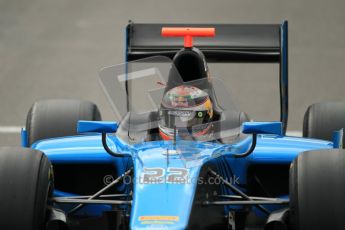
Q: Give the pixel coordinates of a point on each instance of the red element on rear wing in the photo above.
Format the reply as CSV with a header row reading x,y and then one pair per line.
x,y
188,33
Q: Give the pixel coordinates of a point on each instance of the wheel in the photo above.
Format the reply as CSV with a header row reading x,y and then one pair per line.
x,y
58,118
317,190
26,180
321,119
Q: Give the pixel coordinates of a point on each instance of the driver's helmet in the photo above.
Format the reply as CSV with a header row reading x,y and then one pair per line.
x,y
187,109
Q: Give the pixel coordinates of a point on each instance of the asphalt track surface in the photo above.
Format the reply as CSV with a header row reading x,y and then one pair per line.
x,y
54,49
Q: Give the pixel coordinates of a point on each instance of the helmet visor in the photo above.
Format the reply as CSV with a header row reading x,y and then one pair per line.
x,y
183,118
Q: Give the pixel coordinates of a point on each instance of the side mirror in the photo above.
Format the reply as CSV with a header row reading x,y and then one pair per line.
x,y
102,127
97,126
256,128
274,127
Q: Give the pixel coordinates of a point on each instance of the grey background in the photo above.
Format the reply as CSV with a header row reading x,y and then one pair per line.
x,y
54,49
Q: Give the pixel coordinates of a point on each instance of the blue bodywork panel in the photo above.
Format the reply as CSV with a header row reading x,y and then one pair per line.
x,y
168,199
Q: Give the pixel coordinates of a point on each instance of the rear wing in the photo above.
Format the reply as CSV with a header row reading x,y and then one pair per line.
x,y
244,43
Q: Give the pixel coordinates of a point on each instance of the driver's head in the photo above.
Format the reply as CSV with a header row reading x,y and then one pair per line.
x,y
186,108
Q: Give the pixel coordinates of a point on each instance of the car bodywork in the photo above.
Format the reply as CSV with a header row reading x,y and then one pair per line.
x,y
160,200
82,167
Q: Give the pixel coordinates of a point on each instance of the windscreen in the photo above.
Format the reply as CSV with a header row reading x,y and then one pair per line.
x,y
153,103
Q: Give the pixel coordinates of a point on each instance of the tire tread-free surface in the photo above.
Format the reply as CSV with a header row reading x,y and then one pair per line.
x,y
25,182
321,119
317,190
58,118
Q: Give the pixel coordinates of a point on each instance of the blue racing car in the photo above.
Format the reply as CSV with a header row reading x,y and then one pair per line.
x,y
180,155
